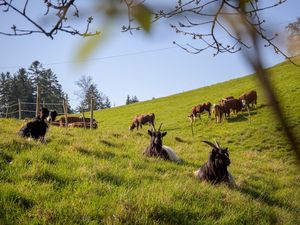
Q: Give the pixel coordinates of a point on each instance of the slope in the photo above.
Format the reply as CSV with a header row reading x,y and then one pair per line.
x,y
101,177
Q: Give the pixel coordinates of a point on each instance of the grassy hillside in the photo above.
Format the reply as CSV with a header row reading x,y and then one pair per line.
x,y
101,177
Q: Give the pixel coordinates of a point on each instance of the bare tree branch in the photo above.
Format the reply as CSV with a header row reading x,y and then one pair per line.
x,y
61,8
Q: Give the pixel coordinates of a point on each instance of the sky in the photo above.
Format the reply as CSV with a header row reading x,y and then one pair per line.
x,y
145,65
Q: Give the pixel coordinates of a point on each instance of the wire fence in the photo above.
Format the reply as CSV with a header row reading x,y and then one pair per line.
x,y
23,110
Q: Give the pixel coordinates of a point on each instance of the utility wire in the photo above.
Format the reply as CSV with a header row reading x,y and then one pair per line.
x,y
118,56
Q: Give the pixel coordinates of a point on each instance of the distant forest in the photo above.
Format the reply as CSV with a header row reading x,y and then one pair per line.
x,y
22,85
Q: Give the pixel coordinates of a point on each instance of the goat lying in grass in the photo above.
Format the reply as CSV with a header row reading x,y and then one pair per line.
x,y
156,147
215,170
37,128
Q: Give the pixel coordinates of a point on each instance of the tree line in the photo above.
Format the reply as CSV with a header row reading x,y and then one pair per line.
x,y
22,85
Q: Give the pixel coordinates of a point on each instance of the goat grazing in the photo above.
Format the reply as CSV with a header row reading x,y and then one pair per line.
x,y
37,128
215,170
156,147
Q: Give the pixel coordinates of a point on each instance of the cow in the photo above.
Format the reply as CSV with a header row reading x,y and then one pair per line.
x,y
198,109
73,119
249,98
235,105
218,111
84,124
142,119
223,100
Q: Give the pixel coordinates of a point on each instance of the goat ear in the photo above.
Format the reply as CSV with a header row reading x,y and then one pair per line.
x,y
163,134
150,132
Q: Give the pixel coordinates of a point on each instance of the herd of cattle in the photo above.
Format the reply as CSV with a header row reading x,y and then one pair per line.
x,y
223,108
214,171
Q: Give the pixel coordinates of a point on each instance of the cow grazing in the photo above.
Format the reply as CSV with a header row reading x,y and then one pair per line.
x,y
215,169
84,125
198,109
249,98
78,120
37,128
140,120
156,147
235,105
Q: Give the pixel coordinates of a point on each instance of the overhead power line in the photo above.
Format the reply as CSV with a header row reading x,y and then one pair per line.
x,y
99,58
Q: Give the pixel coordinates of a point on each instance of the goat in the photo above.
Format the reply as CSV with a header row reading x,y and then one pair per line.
x,y
140,120
52,116
37,128
215,170
156,147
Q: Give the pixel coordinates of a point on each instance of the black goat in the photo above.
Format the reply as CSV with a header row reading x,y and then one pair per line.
x,y
156,147
37,128
52,116
215,170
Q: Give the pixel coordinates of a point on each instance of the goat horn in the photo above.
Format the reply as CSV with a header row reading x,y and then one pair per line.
x,y
153,128
210,144
217,144
160,126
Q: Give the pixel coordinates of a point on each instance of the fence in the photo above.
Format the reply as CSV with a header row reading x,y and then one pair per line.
x,y
22,110
26,109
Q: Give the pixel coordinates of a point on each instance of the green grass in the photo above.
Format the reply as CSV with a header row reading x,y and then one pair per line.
x,y
101,176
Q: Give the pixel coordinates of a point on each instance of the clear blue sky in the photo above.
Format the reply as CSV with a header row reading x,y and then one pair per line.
x,y
157,69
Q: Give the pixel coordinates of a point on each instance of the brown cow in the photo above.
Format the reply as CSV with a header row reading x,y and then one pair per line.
x,y
83,125
142,119
225,99
198,109
249,98
75,119
235,105
218,111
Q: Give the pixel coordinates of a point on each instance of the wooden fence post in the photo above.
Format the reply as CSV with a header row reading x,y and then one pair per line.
x,y
92,113
6,112
20,111
83,117
65,112
38,100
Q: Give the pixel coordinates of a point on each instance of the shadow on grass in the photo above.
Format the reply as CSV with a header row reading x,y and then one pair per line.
x,y
265,198
16,146
110,144
98,154
262,106
110,178
5,157
19,200
182,140
50,177
238,118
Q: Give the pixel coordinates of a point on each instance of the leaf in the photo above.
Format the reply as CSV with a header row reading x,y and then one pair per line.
x,y
142,15
88,47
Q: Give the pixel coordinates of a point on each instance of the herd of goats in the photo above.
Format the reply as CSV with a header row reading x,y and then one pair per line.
x,y
214,170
